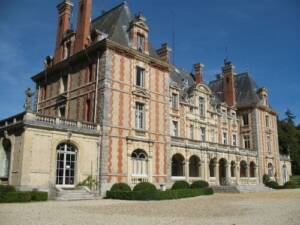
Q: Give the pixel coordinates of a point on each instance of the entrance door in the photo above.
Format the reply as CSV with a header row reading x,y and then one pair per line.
x,y
66,165
222,172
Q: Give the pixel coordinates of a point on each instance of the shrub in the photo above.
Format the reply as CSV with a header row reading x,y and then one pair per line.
x,y
6,188
38,196
144,191
183,193
273,184
266,179
120,187
199,184
124,195
180,185
10,197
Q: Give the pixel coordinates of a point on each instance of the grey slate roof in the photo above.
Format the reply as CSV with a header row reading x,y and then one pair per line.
x,y
245,90
115,24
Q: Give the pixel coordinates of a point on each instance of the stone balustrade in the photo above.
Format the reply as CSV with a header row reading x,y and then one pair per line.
x,y
27,118
184,142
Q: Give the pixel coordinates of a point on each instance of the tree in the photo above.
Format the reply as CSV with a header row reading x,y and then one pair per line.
x,y
289,140
290,117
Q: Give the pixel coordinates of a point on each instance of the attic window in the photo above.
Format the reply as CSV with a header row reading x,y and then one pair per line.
x,y
140,42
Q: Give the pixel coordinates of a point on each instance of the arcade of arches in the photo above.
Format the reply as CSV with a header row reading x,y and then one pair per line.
x,y
219,171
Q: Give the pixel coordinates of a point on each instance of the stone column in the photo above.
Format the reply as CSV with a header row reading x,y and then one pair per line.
x,y
228,175
187,172
217,173
237,174
247,173
202,170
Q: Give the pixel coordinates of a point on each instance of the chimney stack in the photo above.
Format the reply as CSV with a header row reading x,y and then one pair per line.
x,y
164,53
65,11
229,83
83,25
199,73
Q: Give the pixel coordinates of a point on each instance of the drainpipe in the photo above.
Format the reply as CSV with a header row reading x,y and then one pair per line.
x,y
96,91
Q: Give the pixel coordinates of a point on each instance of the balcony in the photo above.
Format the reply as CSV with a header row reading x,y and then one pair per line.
x,y
36,120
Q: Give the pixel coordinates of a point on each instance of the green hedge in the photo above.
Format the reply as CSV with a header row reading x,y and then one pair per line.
x,y
159,195
37,196
183,193
11,197
180,185
6,188
8,194
199,184
120,187
144,191
266,179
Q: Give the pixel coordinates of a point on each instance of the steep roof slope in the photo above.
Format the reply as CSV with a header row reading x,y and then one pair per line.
x,y
245,90
115,23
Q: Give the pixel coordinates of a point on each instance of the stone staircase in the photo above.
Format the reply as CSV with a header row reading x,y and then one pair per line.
x,y
253,188
225,189
75,194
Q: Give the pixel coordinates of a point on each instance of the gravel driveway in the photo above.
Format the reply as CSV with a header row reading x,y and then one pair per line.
x,y
274,208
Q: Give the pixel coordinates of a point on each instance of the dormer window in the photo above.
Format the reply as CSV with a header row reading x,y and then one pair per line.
x,y
140,42
140,77
202,106
174,101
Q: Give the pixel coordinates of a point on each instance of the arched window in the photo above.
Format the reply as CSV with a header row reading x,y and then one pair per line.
x,y
5,154
252,169
177,165
212,166
232,169
66,164
243,169
270,170
139,160
194,166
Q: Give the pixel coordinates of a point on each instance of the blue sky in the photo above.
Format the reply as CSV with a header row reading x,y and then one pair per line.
x,y
262,37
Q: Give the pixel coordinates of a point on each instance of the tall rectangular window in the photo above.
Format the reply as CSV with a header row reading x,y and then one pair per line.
x,y
62,111
267,121
64,84
247,143
234,140
202,106
175,128
139,116
212,136
140,77
191,131
90,73
225,141
202,134
269,146
174,101
245,119
88,110
140,42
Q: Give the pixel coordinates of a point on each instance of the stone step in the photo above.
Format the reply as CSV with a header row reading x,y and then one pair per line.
x,y
74,195
225,189
253,188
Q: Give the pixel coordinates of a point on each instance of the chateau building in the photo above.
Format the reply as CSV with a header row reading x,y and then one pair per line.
x,y
110,106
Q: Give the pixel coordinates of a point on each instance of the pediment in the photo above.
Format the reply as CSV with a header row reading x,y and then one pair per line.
x,y
141,92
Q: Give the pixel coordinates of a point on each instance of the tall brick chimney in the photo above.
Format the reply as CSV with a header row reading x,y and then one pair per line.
x,y
164,53
83,25
199,73
65,11
229,84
